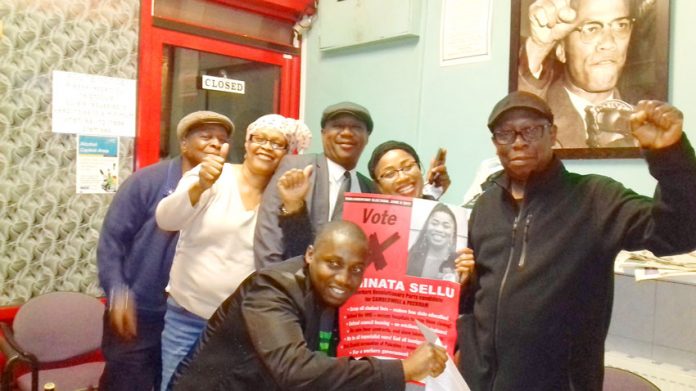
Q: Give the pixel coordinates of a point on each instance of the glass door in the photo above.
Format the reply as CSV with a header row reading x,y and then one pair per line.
x,y
182,73
194,80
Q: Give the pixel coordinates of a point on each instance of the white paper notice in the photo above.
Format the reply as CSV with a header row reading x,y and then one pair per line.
x,y
450,379
465,31
91,104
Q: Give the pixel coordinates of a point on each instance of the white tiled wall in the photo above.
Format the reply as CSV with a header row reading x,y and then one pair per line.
x,y
654,320
675,323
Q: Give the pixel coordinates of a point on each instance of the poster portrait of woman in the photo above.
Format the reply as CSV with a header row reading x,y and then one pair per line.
x,y
437,237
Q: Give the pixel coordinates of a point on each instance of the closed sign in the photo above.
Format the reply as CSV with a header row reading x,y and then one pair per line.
x,y
222,84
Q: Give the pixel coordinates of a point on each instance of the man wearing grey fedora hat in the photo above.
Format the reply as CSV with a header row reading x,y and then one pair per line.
x,y
310,187
134,257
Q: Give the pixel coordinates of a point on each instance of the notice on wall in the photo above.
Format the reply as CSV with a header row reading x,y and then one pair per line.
x,y
97,164
410,276
465,34
91,104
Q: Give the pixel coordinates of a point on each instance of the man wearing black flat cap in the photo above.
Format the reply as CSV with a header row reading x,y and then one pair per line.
x,y
306,191
545,240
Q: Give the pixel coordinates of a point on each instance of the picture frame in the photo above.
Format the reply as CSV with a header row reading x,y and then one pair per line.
x,y
644,75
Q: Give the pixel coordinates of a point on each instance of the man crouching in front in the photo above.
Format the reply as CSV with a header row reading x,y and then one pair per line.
x,y
279,330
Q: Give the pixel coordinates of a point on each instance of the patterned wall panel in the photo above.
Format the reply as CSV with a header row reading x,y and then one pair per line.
x,y
48,233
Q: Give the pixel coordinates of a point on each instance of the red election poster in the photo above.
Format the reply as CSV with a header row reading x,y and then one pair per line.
x,y
410,275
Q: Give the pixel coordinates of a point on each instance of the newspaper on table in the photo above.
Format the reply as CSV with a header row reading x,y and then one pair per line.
x,y
646,266
403,283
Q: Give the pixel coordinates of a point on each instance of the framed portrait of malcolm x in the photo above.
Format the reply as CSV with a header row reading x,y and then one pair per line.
x,y
592,60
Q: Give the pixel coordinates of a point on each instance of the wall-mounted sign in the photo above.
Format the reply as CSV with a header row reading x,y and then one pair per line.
x,y
97,164
465,34
92,104
222,84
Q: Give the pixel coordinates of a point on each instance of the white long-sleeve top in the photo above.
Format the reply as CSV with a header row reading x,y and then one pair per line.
x,y
215,249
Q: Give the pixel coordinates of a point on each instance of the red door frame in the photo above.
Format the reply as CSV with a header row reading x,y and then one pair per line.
x,y
149,100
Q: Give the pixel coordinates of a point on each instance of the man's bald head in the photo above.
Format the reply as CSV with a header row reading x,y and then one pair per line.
x,y
341,228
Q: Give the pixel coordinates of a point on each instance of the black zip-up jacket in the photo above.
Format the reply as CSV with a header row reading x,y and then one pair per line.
x,y
540,306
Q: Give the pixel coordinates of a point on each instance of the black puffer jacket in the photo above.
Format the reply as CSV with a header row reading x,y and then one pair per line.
x,y
540,307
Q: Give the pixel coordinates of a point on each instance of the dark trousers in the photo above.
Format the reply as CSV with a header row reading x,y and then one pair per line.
x,y
134,365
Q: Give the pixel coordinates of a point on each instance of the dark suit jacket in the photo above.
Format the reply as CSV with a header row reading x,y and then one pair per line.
x,y
269,240
265,338
571,126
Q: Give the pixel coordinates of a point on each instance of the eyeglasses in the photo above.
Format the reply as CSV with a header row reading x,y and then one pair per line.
x,y
591,32
261,140
529,134
408,168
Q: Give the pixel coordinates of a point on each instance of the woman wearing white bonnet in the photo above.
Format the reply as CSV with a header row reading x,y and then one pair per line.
x,y
215,207
296,132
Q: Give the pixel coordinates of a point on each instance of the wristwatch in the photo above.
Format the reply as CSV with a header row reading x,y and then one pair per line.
x,y
285,212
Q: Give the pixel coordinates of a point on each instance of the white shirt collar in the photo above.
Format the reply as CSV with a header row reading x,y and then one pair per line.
x,y
335,179
335,171
336,175
579,103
